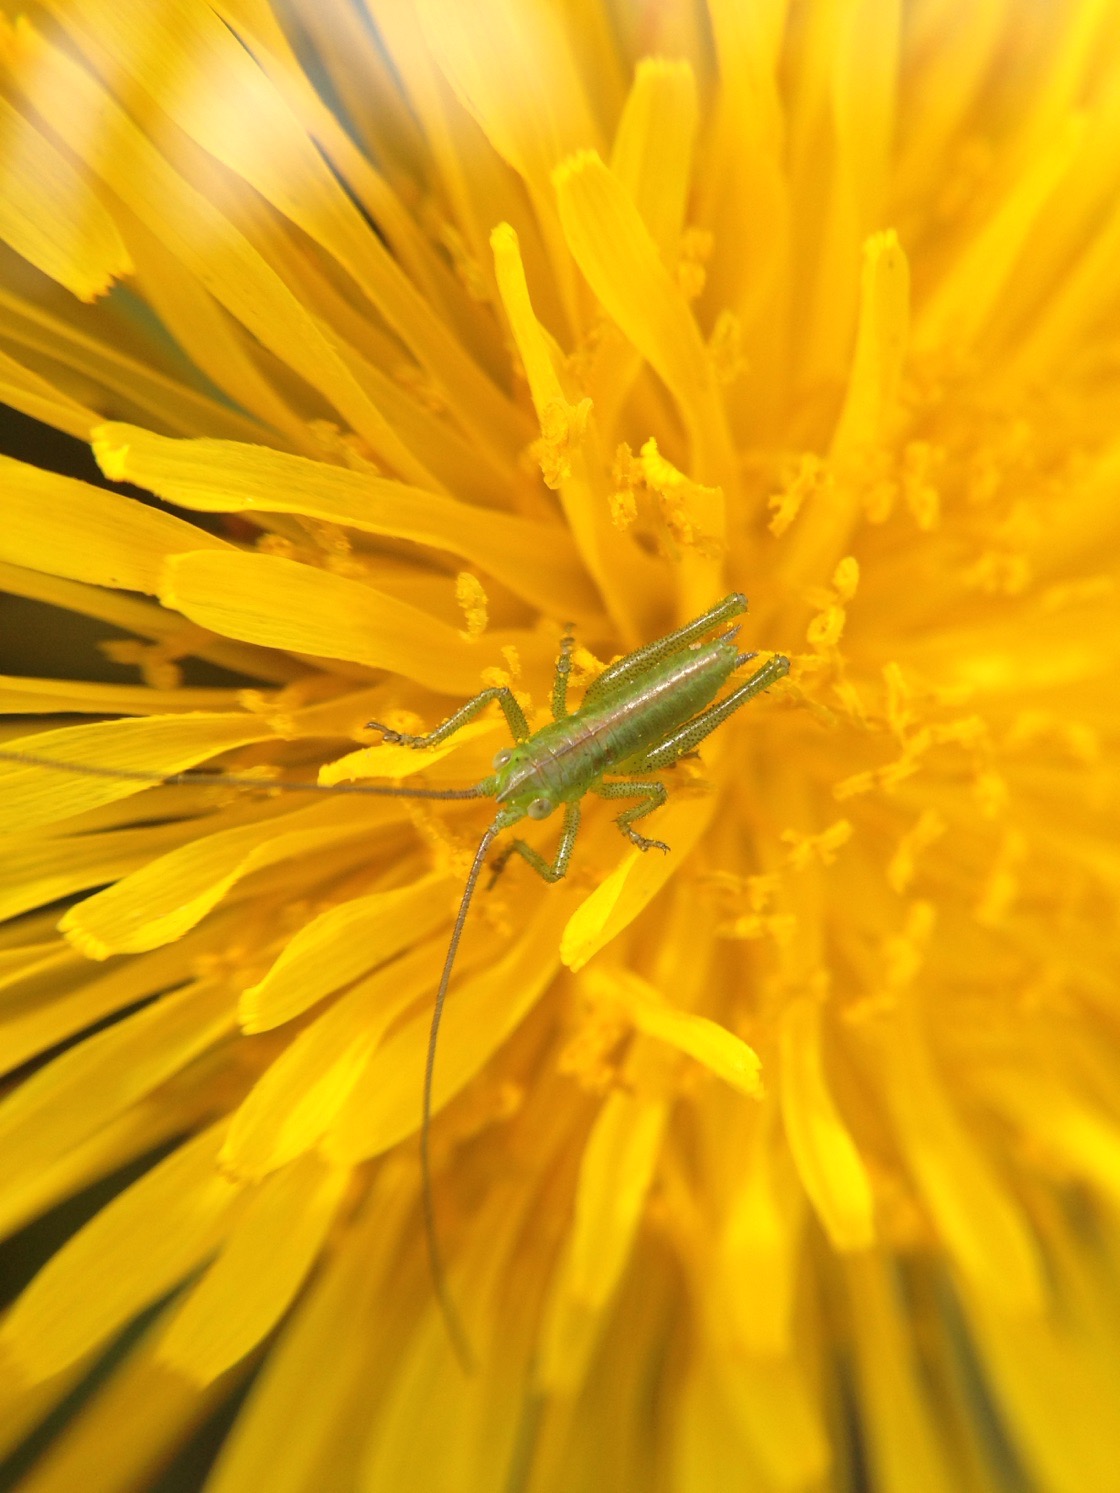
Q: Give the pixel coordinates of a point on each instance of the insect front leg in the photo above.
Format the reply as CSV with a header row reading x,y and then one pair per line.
x,y
650,796
694,731
512,711
559,867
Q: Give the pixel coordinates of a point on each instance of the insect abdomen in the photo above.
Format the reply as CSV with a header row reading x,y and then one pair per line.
x,y
621,726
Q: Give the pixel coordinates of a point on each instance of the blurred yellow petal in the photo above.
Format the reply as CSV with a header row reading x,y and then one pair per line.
x,y
652,150
341,944
827,1157
218,476
82,532
141,1245
93,1082
224,261
33,395
280,603
263,1262
980,1221
49,215
291,1106
188,64
159,902
631,886
384,1105
615,1175
31,794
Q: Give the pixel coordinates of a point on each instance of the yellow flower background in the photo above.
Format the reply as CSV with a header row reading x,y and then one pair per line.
x,y
788,1161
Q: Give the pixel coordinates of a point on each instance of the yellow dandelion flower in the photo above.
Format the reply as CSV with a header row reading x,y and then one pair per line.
x,y
419,330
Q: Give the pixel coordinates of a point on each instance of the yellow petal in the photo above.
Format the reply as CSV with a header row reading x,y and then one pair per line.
x,y
283,604
192,60
706,1041
286,1439
95,370
139,1246
254,1280
32,395
481,1012
881,345
614,1180
536,561
147,620
514,69
827,1157
24,695
94,1081
843,156
191,227
759,1248
620,569
960,306
341,944
210,338
652,151
613,248
35,871
980,1223
387,760
291,1105
906,1442
29,1029
777,1412
1058,1121
49,215
1053,1375
634,882
128,1429
159,902
87,534
31,795
177,1109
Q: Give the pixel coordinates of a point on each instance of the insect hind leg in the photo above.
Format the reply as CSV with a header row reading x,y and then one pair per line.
x,y
637,662
650,796
694,731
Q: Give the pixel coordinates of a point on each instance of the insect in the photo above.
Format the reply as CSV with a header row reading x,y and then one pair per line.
x,y
640,716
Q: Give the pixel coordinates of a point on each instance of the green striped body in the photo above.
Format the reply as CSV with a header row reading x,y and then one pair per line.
x,y
615,727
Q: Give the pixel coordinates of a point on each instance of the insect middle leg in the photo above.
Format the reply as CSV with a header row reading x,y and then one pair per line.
x,y
512,711
650,796
694,731
559,867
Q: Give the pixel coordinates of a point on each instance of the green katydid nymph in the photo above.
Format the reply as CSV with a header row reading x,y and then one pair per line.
x,y
637,718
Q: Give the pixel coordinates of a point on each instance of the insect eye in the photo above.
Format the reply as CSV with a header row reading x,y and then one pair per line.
x,y
540,808
503,757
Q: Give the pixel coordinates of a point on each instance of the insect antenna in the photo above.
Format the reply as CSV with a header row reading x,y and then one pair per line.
x,y
234,780
455,1328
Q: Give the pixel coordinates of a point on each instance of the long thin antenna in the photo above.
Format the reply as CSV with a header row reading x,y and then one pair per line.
x,y
232,779
455,1328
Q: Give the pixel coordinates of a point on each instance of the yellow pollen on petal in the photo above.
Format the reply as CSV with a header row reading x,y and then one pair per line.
x,y
471,597
822,849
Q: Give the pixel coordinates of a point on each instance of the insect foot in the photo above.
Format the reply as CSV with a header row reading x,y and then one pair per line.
x,y
642,843
389,736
